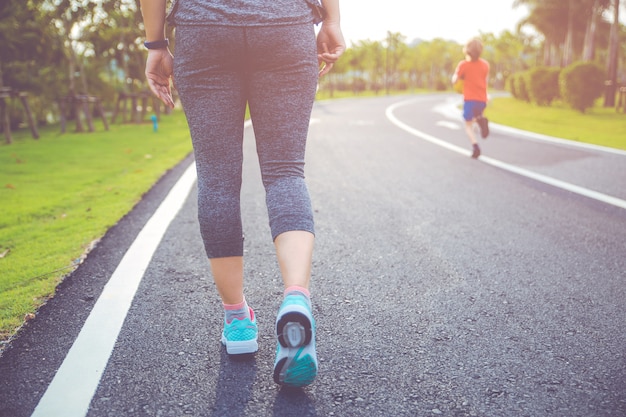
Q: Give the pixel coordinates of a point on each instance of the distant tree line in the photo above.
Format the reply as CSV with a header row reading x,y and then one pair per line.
x,y
59,48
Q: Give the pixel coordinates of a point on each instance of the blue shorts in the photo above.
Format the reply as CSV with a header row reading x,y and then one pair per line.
x,y
473,109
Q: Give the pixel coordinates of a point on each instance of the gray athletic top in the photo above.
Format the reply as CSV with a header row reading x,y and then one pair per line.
x,y
244,12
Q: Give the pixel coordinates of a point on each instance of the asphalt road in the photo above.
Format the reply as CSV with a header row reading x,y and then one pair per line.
x,y
442,285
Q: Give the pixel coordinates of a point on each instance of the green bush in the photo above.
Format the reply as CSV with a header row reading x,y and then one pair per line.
x,y
441,84
510,86
581,84
521,86
543,85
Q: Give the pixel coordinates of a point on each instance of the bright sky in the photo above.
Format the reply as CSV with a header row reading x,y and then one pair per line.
x,y
457,20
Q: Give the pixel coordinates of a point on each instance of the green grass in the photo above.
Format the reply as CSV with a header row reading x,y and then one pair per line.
x,y
599,125
62,192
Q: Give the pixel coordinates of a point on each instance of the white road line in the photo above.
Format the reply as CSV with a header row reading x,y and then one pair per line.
x,y
544,138
72,388
503,165
452,110
449,125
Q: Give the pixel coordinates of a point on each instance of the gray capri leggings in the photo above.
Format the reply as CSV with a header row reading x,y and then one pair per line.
x,y
217,70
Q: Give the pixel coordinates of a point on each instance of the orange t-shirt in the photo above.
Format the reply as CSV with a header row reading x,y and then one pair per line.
x,y
474,75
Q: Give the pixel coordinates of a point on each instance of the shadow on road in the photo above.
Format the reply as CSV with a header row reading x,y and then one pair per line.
x,y
235,384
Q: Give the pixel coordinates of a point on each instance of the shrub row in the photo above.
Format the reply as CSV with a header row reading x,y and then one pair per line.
x,y
578,85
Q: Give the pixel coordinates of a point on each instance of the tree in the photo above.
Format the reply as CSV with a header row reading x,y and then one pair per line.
x,y
31,48
566,26
609,98
506,53
117,37
394,52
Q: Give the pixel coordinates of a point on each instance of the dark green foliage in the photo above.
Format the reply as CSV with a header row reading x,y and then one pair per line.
x,y
510,85
581,84
521,86
543,85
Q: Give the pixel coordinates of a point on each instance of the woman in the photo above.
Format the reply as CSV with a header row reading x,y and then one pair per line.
x,y
261,53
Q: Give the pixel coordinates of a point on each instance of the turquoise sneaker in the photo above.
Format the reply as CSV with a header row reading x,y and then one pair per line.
x,y
296,359
240,336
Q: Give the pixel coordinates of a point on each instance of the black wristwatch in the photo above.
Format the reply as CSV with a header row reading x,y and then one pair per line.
x,y
157,44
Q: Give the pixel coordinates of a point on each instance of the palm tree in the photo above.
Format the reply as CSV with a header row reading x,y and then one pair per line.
x,y
609,97
563,24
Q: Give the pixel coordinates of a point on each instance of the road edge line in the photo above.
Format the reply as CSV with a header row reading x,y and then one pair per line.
x,y
585,192
71,390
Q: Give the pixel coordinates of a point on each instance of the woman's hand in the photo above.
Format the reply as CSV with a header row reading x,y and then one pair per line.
x,y
330,46
159,68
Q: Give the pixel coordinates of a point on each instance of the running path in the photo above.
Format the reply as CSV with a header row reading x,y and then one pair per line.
x,y
442,286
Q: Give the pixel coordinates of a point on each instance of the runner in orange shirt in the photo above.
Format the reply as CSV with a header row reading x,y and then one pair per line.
x,y
474,71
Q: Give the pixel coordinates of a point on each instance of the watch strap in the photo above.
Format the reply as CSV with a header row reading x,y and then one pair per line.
x,y
157,44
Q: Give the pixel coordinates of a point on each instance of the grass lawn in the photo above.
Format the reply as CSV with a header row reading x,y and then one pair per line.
x,y
599,125
62,192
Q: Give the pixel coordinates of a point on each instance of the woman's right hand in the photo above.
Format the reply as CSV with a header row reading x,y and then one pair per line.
x,y
159,69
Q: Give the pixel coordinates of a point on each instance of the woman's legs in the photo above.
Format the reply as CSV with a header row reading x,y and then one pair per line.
x,y
280,87
281,94
228,276
212,90
294,251
275,70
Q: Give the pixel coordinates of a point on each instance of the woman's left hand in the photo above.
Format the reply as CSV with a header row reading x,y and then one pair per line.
x,y
330,46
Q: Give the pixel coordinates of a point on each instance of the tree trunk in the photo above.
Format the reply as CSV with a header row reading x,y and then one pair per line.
x,y
73,103
569,38
4,114
611,85
590,35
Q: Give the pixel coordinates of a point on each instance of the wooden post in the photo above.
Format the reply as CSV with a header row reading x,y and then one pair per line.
x,y
98,106
133,108
85,105
144,107
156,105
621,99
6,120
29,116
116,109
76,107
63,109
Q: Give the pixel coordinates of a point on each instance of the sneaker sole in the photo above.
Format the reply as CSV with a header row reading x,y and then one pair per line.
x,y
240,347
301,375
293,329
294,333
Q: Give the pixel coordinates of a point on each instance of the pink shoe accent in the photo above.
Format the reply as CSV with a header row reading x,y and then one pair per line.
x,y
298,289
237,306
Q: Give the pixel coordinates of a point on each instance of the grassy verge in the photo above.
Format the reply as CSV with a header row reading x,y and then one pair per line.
x,y
599,125
62,192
